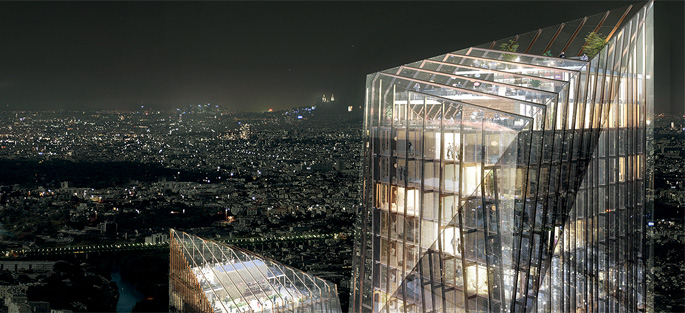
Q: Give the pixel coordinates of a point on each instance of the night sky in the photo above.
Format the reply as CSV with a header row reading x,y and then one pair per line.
x,y
251,56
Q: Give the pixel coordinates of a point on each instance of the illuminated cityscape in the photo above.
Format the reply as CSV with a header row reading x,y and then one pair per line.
x,y
227,157
271,183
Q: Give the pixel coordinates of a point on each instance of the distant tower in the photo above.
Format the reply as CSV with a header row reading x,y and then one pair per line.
x,y
323,99
332,98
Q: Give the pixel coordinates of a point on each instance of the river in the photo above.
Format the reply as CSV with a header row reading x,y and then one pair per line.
x,y
128,294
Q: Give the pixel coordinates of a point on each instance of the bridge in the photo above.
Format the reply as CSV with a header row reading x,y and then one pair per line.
x,y
130,246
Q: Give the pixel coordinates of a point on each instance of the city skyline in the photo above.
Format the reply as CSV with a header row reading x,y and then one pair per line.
x,y
168,156
246,56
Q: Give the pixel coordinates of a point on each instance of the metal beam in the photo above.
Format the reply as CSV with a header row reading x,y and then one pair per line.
x,y
595,31
618,23
570,40
533,41
561,26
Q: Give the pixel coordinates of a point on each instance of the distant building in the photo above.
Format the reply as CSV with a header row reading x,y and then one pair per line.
x,y
18,303
206,276
497,181
107,227
324,99
245,131
22,266
157,239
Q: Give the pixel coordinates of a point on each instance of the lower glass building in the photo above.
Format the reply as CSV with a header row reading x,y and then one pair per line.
x,y
205,276
500,181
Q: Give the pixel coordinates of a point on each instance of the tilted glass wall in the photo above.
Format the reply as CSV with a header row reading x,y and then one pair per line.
x,y
205,276
599,263
507,182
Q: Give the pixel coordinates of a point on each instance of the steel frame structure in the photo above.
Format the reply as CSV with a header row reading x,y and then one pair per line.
x,y
497,181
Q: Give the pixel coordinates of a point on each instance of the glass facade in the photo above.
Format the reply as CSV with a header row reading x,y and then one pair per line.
x,y
510,182
205,276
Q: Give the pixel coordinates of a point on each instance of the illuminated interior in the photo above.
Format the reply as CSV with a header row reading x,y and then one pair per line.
x,y
501,181
209,277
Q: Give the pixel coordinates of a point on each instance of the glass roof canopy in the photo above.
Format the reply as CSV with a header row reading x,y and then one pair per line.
x,y
206,276
568,36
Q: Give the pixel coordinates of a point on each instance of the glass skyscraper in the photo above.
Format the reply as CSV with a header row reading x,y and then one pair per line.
x,y
205,276
499,179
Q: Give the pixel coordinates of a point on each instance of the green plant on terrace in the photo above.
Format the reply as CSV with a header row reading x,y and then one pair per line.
x,y
594,43
509,46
